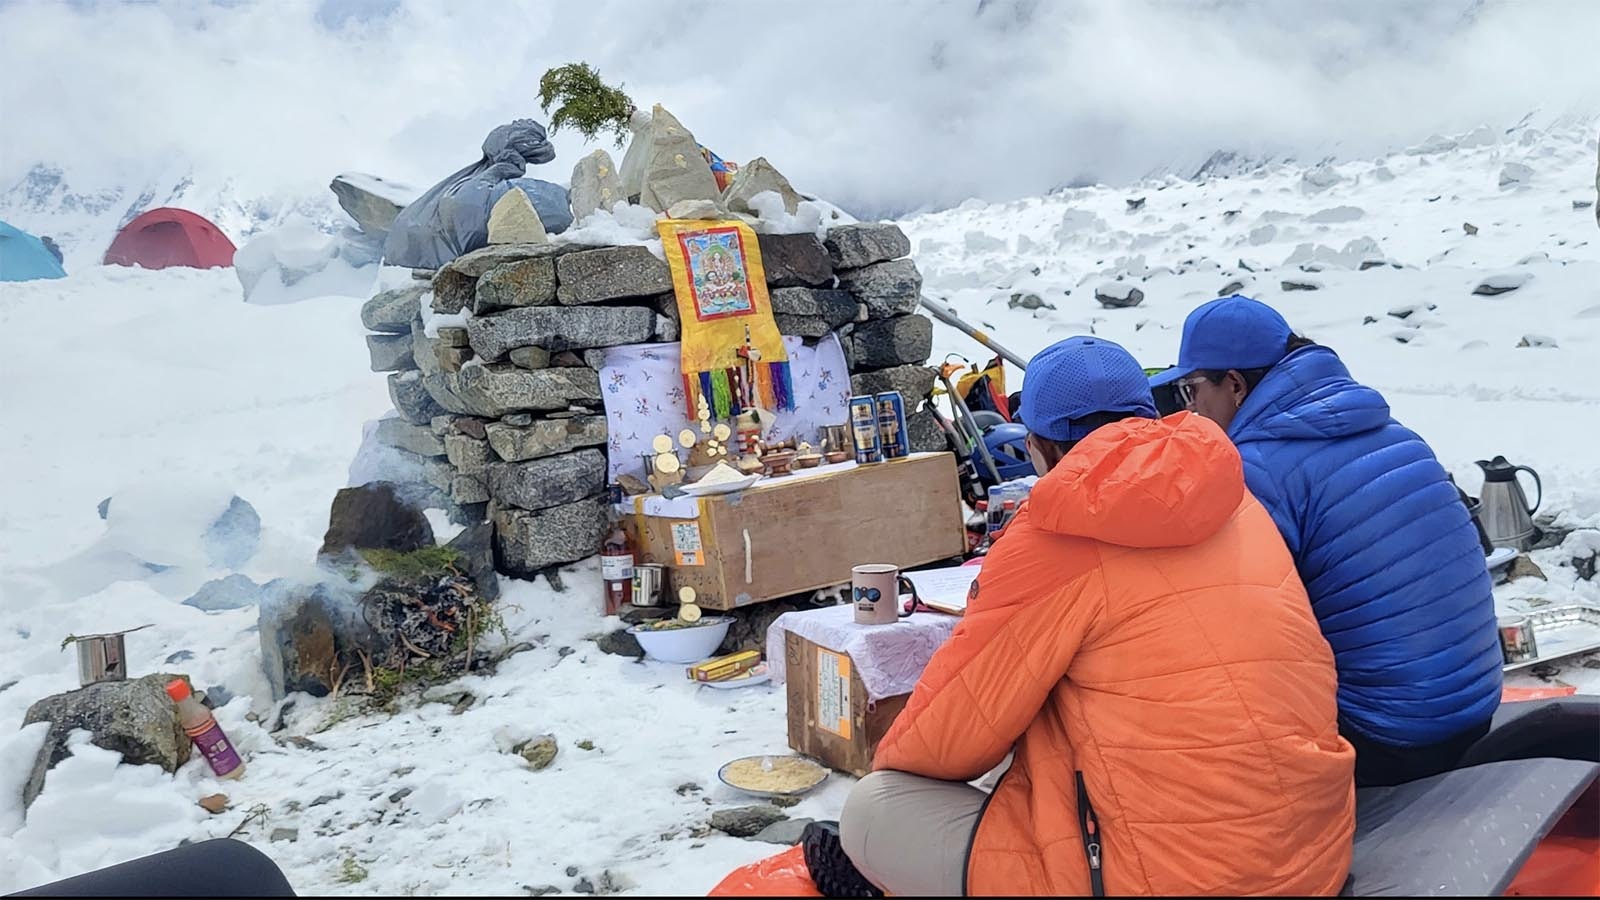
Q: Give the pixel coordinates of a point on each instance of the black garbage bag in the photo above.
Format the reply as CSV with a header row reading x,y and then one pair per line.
x,y
452,218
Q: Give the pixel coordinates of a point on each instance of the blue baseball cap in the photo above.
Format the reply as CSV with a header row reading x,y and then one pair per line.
x,y
1077,377
1233,332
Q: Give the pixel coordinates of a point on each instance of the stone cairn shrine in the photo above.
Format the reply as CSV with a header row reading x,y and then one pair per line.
x,y
502,418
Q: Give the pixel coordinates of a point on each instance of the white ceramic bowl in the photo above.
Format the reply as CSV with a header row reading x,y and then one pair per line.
x,y
684,645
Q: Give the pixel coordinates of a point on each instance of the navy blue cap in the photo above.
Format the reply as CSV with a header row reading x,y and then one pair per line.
x,y
1232,332
1078,377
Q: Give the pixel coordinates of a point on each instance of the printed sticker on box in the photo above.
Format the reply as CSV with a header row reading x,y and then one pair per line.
x,y
833,692
686,545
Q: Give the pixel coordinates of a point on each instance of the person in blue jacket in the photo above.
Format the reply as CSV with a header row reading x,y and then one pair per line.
x,y
1389,554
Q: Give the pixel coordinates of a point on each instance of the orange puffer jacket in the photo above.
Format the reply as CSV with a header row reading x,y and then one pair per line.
x,y
1141,623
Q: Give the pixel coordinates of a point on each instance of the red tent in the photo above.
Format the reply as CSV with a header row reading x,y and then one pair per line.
x,y
170,237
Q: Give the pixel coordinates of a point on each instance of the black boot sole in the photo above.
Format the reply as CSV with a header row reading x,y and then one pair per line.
x,y
832,871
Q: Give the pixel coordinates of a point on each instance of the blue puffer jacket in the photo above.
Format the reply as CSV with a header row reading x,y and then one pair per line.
x,y
1387,551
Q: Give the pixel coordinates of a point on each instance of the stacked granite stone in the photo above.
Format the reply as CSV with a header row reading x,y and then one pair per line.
x,y
503,416
888,341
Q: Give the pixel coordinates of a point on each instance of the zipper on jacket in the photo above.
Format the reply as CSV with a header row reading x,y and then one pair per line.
x,y
1089,827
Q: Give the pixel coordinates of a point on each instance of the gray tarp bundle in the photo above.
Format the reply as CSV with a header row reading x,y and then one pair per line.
x,y
452,218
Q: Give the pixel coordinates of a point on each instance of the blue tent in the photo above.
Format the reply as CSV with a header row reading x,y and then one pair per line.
x,y
24,257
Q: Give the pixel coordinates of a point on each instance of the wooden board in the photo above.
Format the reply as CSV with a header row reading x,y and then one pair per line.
x,y
830,718
795,535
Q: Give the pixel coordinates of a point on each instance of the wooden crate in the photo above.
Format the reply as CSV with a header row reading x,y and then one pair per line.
x,y
830,718
797,534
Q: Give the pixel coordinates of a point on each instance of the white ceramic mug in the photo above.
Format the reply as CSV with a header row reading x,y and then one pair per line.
x,y
875,591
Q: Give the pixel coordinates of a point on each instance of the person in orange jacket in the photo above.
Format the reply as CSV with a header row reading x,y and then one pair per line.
x,y
1139,641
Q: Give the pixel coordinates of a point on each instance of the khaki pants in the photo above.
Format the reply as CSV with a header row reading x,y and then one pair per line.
x,y
908,834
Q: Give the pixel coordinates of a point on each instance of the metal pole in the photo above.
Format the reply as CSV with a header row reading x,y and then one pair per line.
x,y
969,425
947,315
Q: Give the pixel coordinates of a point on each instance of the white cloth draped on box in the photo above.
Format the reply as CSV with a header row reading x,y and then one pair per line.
x,y
889,658
643,390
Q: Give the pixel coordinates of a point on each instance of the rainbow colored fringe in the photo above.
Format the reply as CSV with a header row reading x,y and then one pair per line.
x,y
723,388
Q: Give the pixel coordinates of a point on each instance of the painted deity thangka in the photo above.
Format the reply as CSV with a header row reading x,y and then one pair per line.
x,y
732,352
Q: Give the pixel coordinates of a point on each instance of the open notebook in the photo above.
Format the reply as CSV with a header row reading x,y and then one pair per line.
x,y
945,589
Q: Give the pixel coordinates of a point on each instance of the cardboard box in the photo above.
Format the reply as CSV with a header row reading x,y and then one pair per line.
x,y
830,717
791,535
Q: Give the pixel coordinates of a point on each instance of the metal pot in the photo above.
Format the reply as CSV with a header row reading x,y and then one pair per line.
x,y
102,657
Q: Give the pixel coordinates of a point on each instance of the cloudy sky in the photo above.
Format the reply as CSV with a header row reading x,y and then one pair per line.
x,y
883,106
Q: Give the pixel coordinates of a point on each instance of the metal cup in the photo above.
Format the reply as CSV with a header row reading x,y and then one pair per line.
x,y
649,582
102,657
1516,639
838,438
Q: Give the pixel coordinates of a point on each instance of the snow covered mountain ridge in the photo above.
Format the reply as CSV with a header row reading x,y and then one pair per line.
x,y
255,104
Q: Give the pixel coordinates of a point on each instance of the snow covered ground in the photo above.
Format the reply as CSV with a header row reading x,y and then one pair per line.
x,y
115,378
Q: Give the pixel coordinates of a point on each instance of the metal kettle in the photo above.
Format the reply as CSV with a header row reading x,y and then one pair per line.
x,y
1507,518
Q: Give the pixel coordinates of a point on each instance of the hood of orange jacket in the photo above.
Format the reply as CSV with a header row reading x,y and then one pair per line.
x,y
1144,483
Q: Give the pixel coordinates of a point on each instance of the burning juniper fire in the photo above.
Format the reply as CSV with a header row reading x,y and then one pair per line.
x,y
382,621
415,620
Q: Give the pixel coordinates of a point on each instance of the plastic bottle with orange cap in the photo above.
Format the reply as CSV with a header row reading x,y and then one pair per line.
x,y
202,728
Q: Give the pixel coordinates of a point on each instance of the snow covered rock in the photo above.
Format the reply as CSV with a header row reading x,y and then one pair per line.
x,y
611,273
1537,340
372,201
887,289
297,262
374,517
983,242
513,220
528,542
1435,144
538,752
1118,295
135,718
1336,214
392,311
595,185
1515,175
674,170
794,260
557,328
233,592
755,177
1301,284
412,399
1263,234
176,522
548,481
865,243
1502,283
1320,179
478,263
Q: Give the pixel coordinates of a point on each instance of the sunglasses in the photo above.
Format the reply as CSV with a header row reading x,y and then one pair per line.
x,y
1185,388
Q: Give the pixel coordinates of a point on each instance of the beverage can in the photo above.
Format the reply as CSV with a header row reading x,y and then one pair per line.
x,y
892,425
864,425
1516,639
